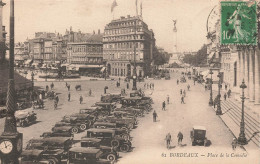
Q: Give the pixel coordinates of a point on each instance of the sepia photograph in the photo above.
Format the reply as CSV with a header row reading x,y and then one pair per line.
x,y
129,82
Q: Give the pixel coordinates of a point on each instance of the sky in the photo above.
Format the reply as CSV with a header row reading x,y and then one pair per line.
x,y
87,15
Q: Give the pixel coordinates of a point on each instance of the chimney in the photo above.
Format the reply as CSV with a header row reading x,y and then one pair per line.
x,y
98,31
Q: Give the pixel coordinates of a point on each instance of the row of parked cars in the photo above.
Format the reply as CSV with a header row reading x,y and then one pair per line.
x,y
107,126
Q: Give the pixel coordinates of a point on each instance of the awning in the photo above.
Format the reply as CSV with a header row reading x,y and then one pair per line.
x,y
103,69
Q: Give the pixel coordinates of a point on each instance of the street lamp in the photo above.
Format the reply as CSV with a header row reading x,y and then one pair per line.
x,y
210,99
134,71
242,138
11,141
219,111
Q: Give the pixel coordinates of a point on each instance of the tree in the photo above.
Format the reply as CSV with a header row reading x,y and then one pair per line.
x,y
199,59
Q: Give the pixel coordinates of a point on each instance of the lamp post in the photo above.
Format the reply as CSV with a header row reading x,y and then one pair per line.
x,y
11,140
210,99
219,111
134,71
242,138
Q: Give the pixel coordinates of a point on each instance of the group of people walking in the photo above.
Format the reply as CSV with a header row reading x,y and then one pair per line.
x,y
148,86
168,139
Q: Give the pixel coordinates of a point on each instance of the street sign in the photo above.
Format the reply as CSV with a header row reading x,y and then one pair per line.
x,y
238,23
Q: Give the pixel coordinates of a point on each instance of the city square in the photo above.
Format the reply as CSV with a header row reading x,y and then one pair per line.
x,y
116,96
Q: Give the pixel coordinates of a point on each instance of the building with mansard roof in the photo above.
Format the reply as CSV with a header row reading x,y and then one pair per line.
x,y
119,38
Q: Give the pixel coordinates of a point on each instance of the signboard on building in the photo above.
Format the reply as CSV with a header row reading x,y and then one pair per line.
x,y
238,23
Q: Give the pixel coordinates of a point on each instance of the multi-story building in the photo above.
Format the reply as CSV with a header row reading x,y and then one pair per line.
x,y
88,54
119,39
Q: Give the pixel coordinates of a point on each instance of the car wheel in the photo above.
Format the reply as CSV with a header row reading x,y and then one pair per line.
x,y
83,127
124,148
52,161
126,137
74,130
115,143
111,157
130,125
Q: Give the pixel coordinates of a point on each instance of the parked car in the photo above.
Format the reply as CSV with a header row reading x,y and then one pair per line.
x,y
106,108
62,131
198,136
33,157
109,138
107,152
86,155
24,119
55,149
132,111
109,98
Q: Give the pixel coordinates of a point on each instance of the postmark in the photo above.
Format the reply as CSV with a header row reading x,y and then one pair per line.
x,y
238,23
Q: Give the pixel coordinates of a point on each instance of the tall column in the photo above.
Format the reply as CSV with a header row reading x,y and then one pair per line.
x,y
246,72
257,76
251,85
239,59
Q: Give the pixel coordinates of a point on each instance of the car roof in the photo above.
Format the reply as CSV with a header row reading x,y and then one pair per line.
x,y
90,139
105,123
132,98
88,150
65,127
103,103
89,108
34,152
101,130
199,127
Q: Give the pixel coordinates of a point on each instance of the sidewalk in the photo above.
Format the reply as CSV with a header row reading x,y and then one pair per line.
x,y
231,109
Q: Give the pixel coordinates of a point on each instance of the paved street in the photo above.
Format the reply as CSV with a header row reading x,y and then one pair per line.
x,y
148,138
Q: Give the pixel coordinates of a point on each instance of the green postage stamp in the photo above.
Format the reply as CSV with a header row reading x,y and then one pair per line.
x,y
238,23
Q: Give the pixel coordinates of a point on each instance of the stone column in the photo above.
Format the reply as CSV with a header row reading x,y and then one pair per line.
x,y
246,72
257,76
251,85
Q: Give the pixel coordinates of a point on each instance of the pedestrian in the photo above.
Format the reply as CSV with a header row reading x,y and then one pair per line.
x,y
153,86
154,116
177,81
127,85
184,93
225,96
80,99
68,86
144,85
90,92
180,137
147,86
182,99
225,86
168,99
234,143
52,85
168,139
69,96
55,104
215,101
150,85
205,87
229,93
180,91
163,105
57,98
47,88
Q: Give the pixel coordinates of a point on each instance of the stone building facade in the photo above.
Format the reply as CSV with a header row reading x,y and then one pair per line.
x,y
119,38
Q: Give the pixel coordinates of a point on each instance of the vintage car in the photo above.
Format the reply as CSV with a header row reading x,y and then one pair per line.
x,y
55,149
62,131
109,138
128,122
105,108
132,111
81,120
120,114
123,133
33,157
86,155
110,98
107,152
75,127
198,136
24,119
90,110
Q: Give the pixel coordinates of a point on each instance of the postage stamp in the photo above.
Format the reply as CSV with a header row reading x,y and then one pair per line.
x,y
238,23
